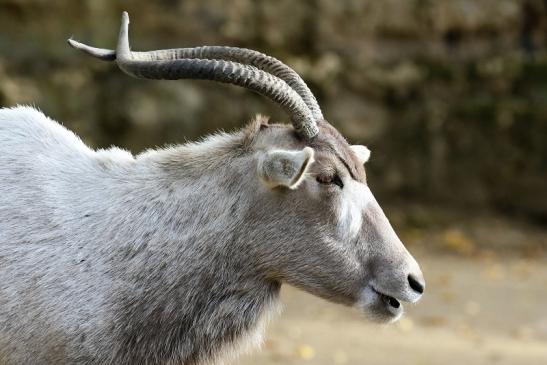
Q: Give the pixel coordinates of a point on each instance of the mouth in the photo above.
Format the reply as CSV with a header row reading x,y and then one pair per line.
x,y
379,306
388,300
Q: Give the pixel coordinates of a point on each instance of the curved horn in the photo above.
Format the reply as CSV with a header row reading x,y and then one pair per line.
x,y
251,57
240,55
100,53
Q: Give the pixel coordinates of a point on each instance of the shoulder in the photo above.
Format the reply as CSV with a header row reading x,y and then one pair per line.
x,y
21,115
26,124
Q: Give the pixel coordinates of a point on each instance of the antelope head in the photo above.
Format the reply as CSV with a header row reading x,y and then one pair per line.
x,y
315,222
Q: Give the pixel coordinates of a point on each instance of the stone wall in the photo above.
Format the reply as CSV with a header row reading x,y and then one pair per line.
x,y
451,95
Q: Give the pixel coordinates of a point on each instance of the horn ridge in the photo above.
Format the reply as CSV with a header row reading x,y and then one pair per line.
x,y
241,55
231,73
242,67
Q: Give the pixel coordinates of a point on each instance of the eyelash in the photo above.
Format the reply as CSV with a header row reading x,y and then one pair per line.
x,y
334,179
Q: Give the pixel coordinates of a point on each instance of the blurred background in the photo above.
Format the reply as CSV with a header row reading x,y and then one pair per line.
x,y
450,95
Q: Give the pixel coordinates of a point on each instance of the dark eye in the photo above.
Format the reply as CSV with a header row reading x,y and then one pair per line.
x,y
332,179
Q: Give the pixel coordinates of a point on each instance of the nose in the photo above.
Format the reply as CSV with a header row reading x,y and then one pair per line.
x,y
417,284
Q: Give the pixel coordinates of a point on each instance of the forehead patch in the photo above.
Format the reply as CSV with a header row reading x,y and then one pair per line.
x,y
354,201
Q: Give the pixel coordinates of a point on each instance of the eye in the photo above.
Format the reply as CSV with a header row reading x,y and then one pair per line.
x,y
332,179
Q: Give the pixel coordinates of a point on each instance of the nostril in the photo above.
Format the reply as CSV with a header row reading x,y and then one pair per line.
x,y
415,284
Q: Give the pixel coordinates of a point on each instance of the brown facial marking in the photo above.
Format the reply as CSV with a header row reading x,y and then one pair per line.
x,y
331,141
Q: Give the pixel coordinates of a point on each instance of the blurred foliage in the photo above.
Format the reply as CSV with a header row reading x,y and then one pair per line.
x,y
451,95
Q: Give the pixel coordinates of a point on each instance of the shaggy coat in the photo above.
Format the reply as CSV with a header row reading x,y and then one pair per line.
x,y
176,255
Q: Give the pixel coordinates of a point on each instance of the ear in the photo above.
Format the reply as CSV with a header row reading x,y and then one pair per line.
x,y
285,168
362,152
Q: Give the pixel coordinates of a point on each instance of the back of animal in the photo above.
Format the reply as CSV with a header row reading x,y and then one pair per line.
x,y
41,165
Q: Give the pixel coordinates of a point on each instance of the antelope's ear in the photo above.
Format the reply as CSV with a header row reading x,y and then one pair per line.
x,y
285,168
362,152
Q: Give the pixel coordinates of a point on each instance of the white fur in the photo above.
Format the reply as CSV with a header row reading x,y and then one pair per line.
x,y
98,247
354,200
362,152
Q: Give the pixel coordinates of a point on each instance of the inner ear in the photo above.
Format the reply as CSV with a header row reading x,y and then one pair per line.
x,y
362,153
285,168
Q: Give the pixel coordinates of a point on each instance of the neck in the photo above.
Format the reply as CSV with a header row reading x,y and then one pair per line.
x,y
186,290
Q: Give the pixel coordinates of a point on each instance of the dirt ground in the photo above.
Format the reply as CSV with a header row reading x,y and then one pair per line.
x,y
481,306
